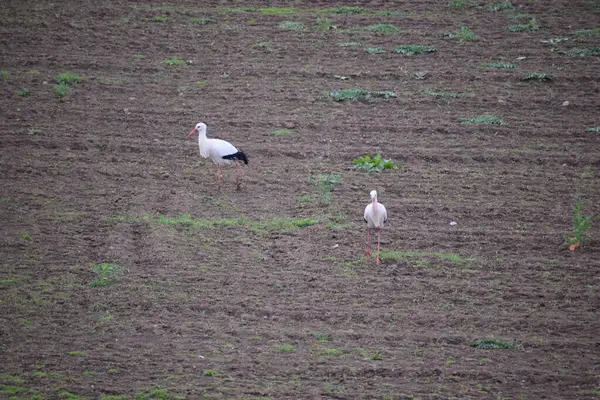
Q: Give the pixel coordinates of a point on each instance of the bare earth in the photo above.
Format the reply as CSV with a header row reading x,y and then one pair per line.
x,y
236,302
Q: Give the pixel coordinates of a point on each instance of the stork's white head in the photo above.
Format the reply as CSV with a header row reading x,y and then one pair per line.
x,y
373,194
199,128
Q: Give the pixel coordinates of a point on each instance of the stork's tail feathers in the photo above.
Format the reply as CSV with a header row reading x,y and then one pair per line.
x,y
237,156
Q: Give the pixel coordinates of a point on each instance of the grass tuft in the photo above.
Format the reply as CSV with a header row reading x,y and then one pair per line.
x,y
463,34
505,5
357,94
286,348
283,132
593,129
588,32
485,119
459,4
583,52
347,10
348,44
414,49
24,92
173,61
532,26
374,50
373,164
160,18
581,224
499,65
68,78
61,90
399,255
107,274
380,28
491,343
4,75
291,26
536,76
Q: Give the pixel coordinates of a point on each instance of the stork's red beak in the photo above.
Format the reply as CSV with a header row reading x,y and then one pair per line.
x,y
191,133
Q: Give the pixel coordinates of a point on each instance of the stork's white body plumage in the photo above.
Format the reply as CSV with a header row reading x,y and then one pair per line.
x,y
219,151
375,216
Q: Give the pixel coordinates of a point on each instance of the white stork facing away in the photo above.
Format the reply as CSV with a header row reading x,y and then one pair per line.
x,y
375,215
220,151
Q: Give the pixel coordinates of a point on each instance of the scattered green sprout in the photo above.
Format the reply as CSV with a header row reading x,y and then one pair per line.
x,y
348,10
320,336
499,65
414,49
26,236
399,255
114,397
61,90
505,5
485,119
459,4
380,28
348,44
588,32
160,18
140,56
463,34
581,225
374,50
376,356
201,83
285,348
107,274
11,378
4,75
158,393
556,40
112,81
277,10
536,76
583,52
373,164
326,183
332,352
32,131
291,26
491,343
68,78
444,94
593,129
173,61
390,13
76,353
24,92
283,132
532,26
357,94
210,372
324,23
201,21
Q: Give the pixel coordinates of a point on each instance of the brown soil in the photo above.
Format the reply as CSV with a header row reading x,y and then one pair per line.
x,y
203,311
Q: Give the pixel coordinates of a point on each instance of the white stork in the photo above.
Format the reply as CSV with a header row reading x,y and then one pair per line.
x,y
220,151
375,215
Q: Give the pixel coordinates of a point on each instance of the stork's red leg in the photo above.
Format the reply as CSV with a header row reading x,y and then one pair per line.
x,y
378,240
368,252
219,175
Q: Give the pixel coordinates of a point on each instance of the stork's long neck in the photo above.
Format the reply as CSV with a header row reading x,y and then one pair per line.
x,y
374,202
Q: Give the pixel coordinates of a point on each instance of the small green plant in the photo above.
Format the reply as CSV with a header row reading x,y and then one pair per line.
x,y
61,90
277,10
357,94
583,52
376,356
76,353
24,92
593,129
291,26
158,393
326,184
11,378
536,76
505,5
26,236
32,131
399,255
459,4
373,164
114,397
463,34
210,372
160,18
321,337
285,348
444,94
174,61
499,65
588,32
68,78
348,10
532,26
390,13
581,224
4,75
324,23
414,49
283,132
348,44
201,21
140,56
374,50
107,274
380,28
201,83
491,343
483,120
